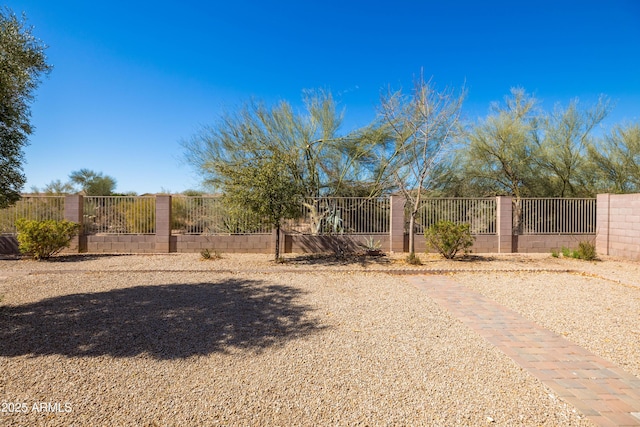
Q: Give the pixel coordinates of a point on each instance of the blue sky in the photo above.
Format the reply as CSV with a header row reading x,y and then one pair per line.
x,y
132,79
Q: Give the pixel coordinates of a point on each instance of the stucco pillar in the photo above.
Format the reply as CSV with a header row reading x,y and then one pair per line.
x,y
396,226
603,213
73,211
504,223
163,223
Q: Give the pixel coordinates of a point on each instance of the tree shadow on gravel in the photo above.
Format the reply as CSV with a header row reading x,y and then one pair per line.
x,y
83,257
328,259
166,321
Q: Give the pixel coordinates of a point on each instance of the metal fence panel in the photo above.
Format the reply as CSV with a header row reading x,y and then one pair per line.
x,y
33,208
342,215
480,214
119,214
209,215
554,216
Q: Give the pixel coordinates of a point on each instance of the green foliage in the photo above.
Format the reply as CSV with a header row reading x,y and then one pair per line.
x,y
320,159
55,188
449,238
586,251
93,183
567,252
420,126
22,62
413,259
499,153
555,253
205,255
616,160
43,239
266,187
561,141
523,151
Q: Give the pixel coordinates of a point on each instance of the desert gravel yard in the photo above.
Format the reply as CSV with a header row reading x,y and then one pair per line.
x,y
162,340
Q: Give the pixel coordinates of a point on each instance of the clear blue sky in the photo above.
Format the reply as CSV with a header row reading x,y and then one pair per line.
x,y
131,78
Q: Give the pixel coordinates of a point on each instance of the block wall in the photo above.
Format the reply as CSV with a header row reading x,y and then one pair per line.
x,y
248,243
300,243
618,226
124,243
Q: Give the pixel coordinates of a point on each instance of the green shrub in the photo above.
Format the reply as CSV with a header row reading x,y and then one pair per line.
x,y
413,259
43,239
449,238
587,251
206,255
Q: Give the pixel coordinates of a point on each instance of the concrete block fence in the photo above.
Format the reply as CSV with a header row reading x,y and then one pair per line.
x,y
618,233
618,225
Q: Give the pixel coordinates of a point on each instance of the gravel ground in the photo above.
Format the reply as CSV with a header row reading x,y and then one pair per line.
x,y
172,340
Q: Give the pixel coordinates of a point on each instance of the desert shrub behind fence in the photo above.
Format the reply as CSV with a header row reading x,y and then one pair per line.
x,y
39,208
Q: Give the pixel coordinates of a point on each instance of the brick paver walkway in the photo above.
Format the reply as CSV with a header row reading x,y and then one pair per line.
x,y
603,392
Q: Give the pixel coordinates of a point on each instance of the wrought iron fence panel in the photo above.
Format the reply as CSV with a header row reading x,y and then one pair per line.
x,y
210,215
479,213
342,215
554,216
119,214
33,208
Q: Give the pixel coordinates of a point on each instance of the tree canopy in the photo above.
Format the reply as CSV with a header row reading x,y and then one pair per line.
x,y
266,187
323,161
521,150
22,63
84,181
93,183
419,127
419,146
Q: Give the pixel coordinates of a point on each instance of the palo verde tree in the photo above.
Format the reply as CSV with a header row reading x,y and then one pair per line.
x,y
266,186
22,62
562,139
500,151
419,126
322,160
523,151
616,160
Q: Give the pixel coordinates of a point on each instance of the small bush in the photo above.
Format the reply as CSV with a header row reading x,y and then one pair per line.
x,y
449,238
43,239
412,259
587,251
206,255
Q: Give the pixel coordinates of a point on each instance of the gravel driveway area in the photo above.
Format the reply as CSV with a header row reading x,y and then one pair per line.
x,y
161,340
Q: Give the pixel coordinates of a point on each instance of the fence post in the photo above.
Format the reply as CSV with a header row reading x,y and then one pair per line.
x,y
73,211
603,212
396,226
163,223
504,219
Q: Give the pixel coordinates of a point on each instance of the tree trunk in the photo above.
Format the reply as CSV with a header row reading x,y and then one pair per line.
x,y
277,241
412,223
